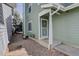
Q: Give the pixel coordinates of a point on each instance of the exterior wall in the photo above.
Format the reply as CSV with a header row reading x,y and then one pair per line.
x,y
7,12
66,27
5,27
6,16
1,30
35,9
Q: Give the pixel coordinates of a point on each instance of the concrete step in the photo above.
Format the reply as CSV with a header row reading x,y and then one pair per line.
x,y
72,51
41,42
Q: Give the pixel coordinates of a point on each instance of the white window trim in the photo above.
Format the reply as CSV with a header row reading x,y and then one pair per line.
x,y
31,25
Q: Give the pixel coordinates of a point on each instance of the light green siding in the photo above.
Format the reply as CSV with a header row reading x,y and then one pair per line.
x,y
35,9
66,27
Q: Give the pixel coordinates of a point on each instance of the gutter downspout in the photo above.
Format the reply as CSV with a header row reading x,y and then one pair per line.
x,y
24,21
51,28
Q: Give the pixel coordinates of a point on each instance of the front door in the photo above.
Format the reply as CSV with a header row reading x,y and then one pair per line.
x,y
44,28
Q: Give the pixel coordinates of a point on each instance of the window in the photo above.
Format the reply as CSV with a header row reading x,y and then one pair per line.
x,y
29,26
29,9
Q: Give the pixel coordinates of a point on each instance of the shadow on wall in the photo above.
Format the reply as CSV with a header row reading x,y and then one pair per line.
x,y
9,26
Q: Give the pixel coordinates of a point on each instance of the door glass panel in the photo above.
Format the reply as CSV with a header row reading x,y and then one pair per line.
x,y
44,28
44,23
44,31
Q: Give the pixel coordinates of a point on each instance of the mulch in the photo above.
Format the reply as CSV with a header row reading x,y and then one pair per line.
x,y
32,47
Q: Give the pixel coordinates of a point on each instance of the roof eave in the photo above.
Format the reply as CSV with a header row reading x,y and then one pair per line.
x,y
52,5
71,6
62,8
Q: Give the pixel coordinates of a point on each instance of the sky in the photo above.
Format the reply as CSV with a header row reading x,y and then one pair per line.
x,y
19,8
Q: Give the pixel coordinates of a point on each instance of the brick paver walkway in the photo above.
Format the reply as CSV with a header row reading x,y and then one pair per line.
x,y
32,47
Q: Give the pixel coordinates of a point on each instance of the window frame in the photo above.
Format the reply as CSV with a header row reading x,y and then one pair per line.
x,y
28,25
30,7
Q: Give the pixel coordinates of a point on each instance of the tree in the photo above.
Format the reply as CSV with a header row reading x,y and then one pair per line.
x,y
17,22
17,18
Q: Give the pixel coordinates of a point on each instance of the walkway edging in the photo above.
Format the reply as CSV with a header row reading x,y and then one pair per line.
x,y
40,42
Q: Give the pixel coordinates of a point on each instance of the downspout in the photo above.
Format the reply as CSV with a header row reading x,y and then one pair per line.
x,y
51,30
24,21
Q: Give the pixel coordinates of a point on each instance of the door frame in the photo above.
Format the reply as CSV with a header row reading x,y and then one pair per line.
x,y
43,37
